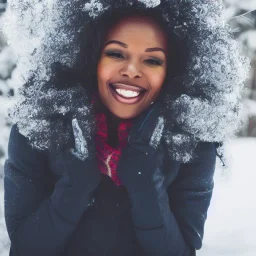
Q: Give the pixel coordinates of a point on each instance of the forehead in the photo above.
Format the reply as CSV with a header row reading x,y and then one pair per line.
x,y
142,30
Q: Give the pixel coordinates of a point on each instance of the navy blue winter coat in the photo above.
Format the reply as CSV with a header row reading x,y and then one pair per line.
x,y
38,224
51,213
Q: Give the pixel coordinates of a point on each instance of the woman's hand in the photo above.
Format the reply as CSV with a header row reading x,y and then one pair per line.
x,y
78,162
78,172
143,155
140,168
141,172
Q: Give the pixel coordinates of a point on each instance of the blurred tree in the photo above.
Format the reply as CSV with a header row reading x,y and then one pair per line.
x,y
7,65
241,15
3,5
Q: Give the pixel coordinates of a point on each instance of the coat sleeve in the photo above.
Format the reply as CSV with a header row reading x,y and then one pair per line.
x,y
155,225
190,194
40,216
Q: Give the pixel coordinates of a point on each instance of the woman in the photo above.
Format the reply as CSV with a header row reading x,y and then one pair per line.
x,y
114,152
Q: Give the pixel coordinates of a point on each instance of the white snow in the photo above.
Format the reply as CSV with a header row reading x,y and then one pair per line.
x,y
250,107
231,225
94,8
151,3
157,133
81,148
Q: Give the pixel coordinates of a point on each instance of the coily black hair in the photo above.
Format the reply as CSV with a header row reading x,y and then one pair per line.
x,y
91,41
91,44
57,71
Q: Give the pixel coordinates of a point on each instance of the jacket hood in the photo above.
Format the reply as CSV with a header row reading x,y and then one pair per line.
x,y
43,33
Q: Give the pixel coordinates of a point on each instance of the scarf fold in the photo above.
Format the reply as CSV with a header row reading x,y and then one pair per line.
x,y
108,156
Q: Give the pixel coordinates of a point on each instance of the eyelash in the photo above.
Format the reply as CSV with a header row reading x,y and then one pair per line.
x,y
118,55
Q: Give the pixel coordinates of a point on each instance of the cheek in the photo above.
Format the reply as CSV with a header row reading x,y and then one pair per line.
x,y
107,67
102,71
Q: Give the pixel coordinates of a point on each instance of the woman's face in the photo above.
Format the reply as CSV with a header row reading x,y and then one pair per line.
x,y
132,66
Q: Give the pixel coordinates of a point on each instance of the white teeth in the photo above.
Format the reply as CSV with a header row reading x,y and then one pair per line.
x,y
127,93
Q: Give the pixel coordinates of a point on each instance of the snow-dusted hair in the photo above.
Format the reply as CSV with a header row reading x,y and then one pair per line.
x,y
202,100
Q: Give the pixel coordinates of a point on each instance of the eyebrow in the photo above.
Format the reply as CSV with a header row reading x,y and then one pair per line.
x,y
154,49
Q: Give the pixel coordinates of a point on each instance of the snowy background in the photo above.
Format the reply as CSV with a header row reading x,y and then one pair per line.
x,y
230,227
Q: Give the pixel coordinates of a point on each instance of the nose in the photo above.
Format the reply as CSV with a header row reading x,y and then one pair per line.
x,y
132,70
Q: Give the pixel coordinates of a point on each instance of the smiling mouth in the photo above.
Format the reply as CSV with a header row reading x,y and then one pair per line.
x,y
124,93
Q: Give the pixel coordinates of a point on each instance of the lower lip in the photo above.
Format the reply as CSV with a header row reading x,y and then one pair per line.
x,y
125,100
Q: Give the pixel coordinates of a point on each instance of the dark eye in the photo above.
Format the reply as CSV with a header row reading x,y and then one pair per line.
x,y
154,62
116,55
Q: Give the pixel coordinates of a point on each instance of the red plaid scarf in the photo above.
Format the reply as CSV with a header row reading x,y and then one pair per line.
x,y
107,156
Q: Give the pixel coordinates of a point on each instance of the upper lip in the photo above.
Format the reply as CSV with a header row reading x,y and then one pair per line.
x,y
127,86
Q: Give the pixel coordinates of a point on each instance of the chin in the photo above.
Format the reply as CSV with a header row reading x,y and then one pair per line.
x,y
123,115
